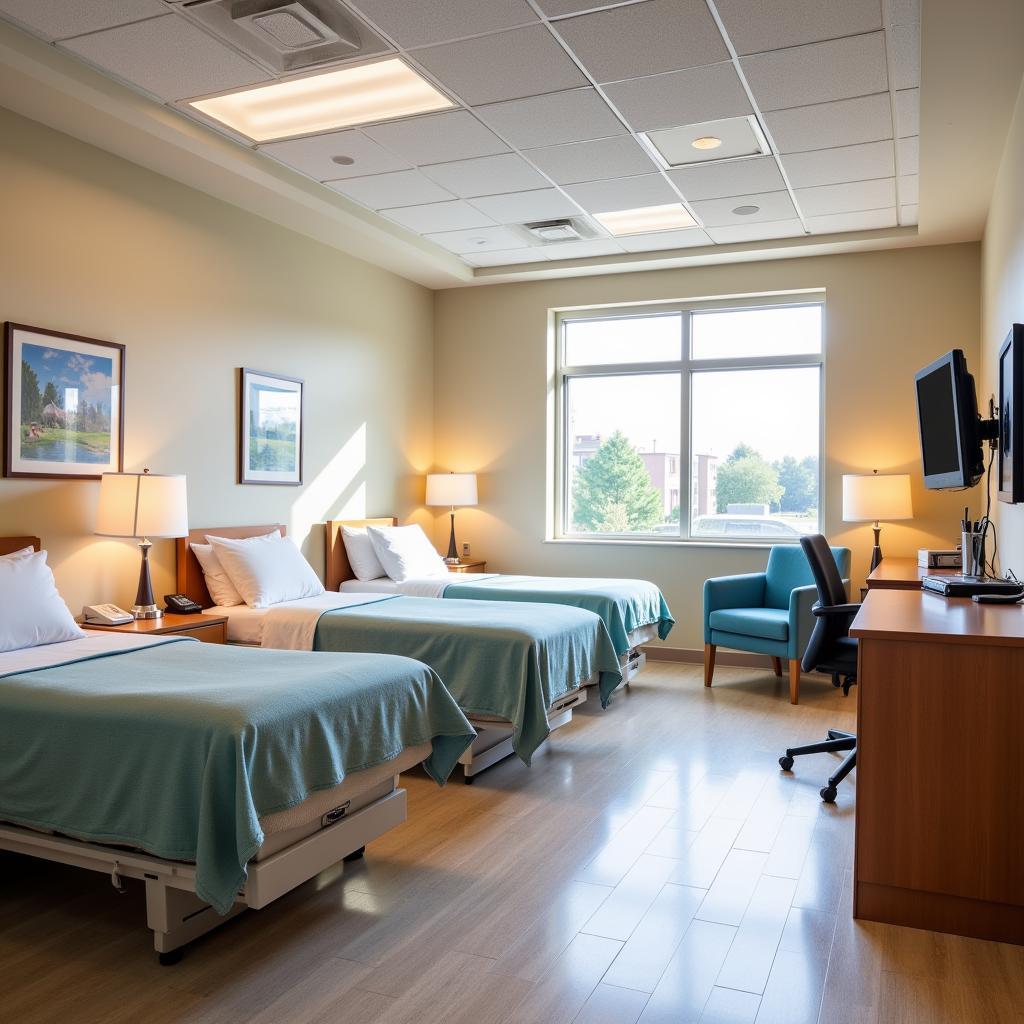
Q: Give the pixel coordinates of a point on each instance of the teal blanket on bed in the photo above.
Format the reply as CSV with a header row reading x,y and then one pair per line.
x,y
179,748
495,658
624,605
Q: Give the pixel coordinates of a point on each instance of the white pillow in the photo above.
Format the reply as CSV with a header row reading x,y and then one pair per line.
x,y
405,552
20,553
221,589
266,570
32,612
361,555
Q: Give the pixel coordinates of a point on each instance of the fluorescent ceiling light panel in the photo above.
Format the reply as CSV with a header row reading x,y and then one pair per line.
x,y
364,94
646,218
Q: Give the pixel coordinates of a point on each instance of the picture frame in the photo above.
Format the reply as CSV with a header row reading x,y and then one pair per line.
x,y
63,404
1010,467
270,428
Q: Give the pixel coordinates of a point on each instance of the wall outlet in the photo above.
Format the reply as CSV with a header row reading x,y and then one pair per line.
x,y
465,551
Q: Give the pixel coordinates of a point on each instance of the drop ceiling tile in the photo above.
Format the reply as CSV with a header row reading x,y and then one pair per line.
x,y
906,56
908,153
644,39
558,8
732,178
862,220
845,163
451,216
487,175
522,62
772,206
384,191
827,125
315,156
575,116
521,207
756,27
479,240
818,72
908,110
756,232
848,197
680,97
623,193
664,240
908,214
908,189
61,19
588,161
502,257
581,249
437,138
420,24
168,57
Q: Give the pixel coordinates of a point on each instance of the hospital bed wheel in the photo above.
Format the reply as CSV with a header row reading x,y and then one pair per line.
x,y
171,958
785,762
469,779
354,855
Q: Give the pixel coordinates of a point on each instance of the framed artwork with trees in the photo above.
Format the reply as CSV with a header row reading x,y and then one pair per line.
x,y
64,404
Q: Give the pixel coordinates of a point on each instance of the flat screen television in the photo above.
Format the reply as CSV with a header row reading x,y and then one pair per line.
x,y
951,432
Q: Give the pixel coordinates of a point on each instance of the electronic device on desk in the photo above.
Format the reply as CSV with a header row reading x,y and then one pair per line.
x,y
105,615
968,586
935,558
180,604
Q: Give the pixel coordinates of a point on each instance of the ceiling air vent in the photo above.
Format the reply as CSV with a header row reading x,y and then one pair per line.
x,y
289,36
565,229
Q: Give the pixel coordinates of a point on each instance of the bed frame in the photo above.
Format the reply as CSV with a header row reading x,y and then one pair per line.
x,y
190,580
8,545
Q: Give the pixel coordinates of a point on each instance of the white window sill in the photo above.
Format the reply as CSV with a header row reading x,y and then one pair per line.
x,y
673,542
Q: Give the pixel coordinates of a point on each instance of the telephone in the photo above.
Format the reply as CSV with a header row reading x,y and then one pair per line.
x,y
181,605
106,615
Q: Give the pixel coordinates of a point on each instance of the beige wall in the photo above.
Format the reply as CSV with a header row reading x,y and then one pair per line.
x,y
195,288
887,314
1003,305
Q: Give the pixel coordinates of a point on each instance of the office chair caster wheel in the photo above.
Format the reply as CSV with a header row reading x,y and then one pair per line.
x,y
785,762
171,958
829,794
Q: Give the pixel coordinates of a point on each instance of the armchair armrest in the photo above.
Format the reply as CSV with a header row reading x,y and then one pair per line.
x,y
745,591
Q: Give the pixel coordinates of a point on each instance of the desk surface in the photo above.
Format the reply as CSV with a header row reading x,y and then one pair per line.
x,y
919,615
901,574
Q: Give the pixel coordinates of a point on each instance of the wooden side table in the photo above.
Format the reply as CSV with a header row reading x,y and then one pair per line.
x,y
468,567
210,629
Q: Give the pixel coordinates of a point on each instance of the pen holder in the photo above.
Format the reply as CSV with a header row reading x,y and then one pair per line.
x,y
971,552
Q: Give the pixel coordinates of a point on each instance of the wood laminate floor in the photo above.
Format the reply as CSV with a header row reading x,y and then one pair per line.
x,y
653,866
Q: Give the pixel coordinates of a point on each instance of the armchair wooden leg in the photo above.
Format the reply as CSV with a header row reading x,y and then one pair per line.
x,y
794,681
709,663
776,665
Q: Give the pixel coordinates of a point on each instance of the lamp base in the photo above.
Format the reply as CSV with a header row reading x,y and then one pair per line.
x,y
876,551
147,611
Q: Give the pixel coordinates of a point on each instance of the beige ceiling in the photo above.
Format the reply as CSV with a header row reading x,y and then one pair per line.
x,y
551,96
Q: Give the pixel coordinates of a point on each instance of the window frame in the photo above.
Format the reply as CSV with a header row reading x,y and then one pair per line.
x,y
563,373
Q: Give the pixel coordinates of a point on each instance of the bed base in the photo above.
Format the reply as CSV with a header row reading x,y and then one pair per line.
x,y
174,913
493,741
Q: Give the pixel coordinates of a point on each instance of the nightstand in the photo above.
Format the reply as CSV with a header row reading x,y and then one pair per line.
x,y
211,629
468,567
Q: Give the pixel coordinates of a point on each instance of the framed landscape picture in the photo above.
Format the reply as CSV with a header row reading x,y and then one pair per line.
x,y
64,404
270,429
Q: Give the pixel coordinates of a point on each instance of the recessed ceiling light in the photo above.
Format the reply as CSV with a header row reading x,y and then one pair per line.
x,y
334,99
745,211
344,161
706,142
646,218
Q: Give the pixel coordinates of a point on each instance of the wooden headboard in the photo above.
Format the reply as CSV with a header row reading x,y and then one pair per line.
x,y
8,545
190,572
338,570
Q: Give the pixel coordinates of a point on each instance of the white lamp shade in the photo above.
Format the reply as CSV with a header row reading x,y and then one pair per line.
x,y
142,505
879,496
451,489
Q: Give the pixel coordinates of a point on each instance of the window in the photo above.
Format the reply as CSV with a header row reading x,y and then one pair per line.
x,y
729,395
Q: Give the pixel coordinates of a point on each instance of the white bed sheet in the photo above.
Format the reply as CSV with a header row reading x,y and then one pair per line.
x,y
427,586
94,642
245,625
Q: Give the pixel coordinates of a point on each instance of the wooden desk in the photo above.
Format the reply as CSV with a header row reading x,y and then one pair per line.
x,y
940,791
901,574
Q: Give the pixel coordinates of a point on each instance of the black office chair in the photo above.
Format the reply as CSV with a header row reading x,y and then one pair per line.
x,y
830,649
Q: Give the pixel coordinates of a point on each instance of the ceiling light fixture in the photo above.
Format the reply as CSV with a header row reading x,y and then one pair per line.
x,y
646,218
343,161
745,211
365,94
706,142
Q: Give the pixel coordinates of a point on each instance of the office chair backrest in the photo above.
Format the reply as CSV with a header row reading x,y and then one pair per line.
x,y
789,568
831,591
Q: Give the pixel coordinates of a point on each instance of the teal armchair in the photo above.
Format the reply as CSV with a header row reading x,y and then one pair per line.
x,y
766,612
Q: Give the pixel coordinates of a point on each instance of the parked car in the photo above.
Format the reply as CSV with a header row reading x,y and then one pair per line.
x,y
752,527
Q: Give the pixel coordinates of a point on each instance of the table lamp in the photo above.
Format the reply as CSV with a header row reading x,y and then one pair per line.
x,y
874,498
143,505
451,489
